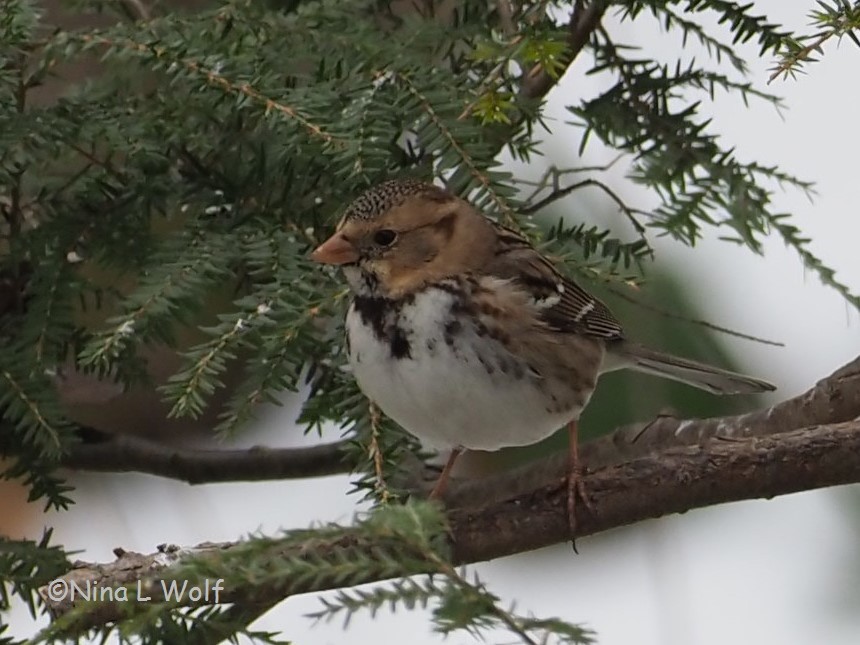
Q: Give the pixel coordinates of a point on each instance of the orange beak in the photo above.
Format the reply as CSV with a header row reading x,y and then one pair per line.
x,y
335,250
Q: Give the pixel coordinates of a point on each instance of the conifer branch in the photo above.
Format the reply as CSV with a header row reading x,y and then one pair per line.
x,y
213,78
584,20
14,394
454,143
629,212
838,19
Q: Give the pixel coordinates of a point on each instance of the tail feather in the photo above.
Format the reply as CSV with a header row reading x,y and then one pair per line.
x,y
705,377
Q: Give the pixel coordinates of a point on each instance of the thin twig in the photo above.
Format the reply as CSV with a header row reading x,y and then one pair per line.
x,y
104,164
695,321
790,60
630,213
376,454
15,217
563,192
553,175
126,453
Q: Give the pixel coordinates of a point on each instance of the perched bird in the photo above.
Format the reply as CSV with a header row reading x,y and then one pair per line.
x,y
468,337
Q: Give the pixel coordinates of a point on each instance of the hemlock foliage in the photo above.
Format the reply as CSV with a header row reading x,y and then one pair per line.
x,y
212,150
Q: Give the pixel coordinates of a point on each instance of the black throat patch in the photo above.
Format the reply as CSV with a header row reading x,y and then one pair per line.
x,y
382,316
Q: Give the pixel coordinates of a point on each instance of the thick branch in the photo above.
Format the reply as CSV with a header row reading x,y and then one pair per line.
x,y
126,453
674,481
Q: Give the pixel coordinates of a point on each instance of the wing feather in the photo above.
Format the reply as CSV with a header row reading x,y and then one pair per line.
x,y
564,305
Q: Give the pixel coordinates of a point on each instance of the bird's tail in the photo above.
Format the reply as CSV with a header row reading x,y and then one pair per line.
x,y
705,377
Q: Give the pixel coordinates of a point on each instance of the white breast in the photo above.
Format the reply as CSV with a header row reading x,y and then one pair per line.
x,y
453,389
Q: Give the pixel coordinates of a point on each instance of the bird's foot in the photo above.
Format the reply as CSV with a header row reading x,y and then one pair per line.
x,y
576,490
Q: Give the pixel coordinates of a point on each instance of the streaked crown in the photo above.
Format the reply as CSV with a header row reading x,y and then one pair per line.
x,y
385,196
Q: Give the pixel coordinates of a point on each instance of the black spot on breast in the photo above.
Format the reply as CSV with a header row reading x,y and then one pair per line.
x,y
487,365
452,328
381,315
431,344
373,312
400,347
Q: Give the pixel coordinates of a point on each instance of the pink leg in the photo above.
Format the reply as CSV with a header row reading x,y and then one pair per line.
x,y
442,483
575,485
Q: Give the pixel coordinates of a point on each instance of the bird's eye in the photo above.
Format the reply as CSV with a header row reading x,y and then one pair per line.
x,y
384,237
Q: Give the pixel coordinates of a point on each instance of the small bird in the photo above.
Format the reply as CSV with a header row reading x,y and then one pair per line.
x,y
466,336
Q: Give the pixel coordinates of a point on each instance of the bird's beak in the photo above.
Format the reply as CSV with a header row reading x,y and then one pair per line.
x,y
335,250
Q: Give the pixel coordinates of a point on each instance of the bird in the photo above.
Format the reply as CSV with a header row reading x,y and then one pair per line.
x,y
468,337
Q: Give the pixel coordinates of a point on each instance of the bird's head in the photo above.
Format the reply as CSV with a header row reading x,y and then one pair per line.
x,y
403,234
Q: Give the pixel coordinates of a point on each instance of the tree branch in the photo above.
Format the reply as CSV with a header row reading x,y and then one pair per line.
x,y
633,476
674,481
585,19
127,453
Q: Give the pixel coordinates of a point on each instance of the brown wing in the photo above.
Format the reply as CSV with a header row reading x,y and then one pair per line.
x,y
564,305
